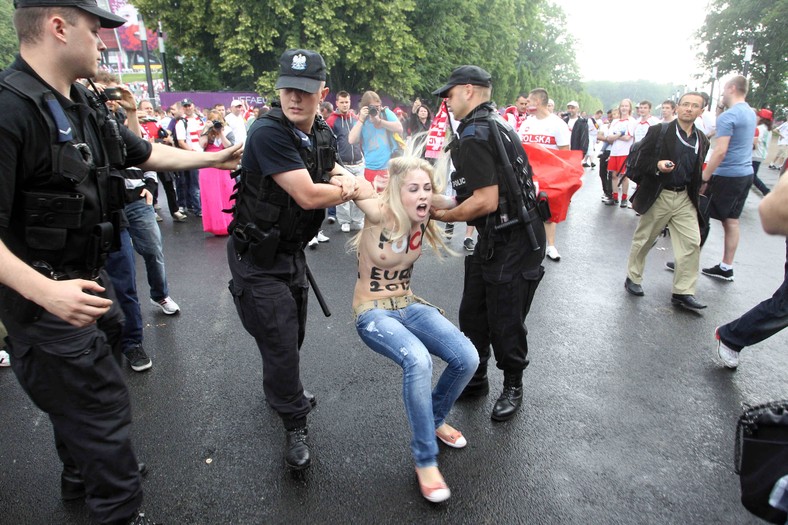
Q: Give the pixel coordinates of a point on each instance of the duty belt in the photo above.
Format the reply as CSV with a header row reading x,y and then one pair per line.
x,y
391,303
45,269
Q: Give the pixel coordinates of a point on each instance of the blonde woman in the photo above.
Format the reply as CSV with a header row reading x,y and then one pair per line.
x,y
397,324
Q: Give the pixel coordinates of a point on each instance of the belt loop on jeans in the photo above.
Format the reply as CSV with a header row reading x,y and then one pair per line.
x,y
391,303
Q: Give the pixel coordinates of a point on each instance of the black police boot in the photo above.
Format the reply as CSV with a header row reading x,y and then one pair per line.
x,y
72,486
511,397
478,386
297,456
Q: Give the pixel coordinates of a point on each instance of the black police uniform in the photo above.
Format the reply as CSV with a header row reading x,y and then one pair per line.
x,y
265,252
51,219
503,272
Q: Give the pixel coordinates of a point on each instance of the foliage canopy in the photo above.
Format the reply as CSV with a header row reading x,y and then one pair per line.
x,y
402,48
728,28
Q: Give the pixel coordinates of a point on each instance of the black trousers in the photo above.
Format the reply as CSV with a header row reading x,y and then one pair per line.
x,y
272,305
607,184
71,374
500,282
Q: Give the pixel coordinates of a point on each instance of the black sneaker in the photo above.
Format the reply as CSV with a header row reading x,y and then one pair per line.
x,y
449,230
718,273
469,244
608,201
624,203
670,265
137,358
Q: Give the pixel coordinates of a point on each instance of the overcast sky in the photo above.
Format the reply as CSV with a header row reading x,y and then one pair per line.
x,y
636,39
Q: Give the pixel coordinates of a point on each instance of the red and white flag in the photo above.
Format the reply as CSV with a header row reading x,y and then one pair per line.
x,y
436,136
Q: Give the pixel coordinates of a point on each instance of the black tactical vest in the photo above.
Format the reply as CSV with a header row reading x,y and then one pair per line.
x,y
477,126
69,211
268,206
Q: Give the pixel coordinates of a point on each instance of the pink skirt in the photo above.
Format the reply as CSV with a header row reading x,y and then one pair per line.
x,y
216,186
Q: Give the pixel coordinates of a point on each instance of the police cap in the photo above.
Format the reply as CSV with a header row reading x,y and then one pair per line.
x,y
301,69
90,6
462,75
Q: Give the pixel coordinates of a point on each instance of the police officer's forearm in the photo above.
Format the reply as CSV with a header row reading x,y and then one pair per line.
x,y
165,158
483,202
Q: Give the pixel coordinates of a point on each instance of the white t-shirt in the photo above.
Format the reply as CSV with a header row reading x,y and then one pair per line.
x,y
551,132
641,127
707,122
191,132
783,131
238,126
620,148
762,144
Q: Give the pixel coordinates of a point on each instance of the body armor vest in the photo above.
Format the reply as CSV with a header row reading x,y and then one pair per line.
x,y
478,127
70,209
266,205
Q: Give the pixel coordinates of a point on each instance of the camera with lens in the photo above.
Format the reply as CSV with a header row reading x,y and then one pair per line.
x,y
217,124
373,111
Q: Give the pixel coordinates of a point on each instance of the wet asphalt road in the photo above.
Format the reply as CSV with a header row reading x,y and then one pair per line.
x,y
627,418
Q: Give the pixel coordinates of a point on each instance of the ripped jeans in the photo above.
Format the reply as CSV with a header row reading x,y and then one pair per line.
x,y
408,336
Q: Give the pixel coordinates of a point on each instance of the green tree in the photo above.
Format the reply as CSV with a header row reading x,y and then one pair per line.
x,y
8,42
726,31
399,48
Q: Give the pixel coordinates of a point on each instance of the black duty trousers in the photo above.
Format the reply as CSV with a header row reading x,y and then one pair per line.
x,y
501,278
272,305
71,374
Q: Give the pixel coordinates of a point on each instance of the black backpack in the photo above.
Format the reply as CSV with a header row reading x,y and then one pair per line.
x,y
639,165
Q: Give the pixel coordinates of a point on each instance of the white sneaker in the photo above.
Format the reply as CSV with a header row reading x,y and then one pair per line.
x,y
5,359
552,253
345,227
179,216
313,243
320,237
167,305
729,357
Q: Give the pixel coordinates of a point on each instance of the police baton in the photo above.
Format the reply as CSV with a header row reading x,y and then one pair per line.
x,y
316,289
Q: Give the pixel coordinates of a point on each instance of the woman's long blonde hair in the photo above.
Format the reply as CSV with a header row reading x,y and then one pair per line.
x,y
391,198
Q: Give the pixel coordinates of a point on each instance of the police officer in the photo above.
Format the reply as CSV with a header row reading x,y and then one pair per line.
x,y
279,206
504,270
57,224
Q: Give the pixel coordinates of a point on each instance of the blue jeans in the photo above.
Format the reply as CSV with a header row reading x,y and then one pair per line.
x,y
408,336
188,190
121,271
146,238
762,322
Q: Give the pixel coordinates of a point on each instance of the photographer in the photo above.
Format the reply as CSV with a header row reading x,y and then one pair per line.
x,y
216,185
375,131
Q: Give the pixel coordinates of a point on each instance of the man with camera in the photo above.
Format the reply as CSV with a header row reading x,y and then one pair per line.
x,y
58,222
670,158
375,131
280,205
504,270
